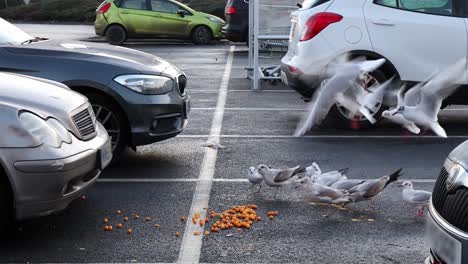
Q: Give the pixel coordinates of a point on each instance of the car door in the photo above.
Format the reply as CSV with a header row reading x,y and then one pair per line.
x,y
419,37
136,16
170,22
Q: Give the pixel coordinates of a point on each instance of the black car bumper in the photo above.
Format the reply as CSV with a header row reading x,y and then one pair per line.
x,y
153,118
234,33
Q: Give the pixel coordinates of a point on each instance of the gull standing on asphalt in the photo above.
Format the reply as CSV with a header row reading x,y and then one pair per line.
x,y
347,184
422,103
255,178
317,193
278,178
328,178
344,87
370,189
417,198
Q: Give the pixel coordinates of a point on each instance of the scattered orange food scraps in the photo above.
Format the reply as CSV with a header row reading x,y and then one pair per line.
x,y
177,234
147,219
182,218
157,225
119,226
196,233
119,212
106,221
130,231
126,219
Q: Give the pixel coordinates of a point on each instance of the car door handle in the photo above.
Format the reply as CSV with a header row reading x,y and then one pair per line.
x,y
383,22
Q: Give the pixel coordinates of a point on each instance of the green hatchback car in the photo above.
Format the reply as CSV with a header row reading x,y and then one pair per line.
x,y
118,20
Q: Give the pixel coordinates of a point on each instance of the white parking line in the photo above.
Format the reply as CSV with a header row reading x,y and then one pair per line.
x,y
251,109
190,248
328,136
169,180
237,91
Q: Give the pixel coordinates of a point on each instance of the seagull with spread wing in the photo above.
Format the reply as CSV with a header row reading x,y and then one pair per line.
x,y
419,107
344,87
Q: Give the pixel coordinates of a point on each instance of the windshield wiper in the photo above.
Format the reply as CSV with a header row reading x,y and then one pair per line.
x,y
29,41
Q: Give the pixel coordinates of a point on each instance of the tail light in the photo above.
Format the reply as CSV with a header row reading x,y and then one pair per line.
x,y
318,22
104,8
230,10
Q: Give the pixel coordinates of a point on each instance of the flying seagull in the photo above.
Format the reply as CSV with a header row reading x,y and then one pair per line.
x,y
344,87
417,198
418,108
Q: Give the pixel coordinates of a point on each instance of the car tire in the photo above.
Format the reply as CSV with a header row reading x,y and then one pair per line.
x,y
114,121
116,35
202,35
338,117
6,204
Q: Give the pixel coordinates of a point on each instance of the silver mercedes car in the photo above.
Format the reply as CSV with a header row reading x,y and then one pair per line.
x,y
51,147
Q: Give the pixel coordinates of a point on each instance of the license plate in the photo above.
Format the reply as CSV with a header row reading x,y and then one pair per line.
x,y
443,245
105,154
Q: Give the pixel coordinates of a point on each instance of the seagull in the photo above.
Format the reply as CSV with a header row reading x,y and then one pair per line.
x,y
344,88
415,197
328,178
347,184
317,193
255,177
420,106
370,189
278,178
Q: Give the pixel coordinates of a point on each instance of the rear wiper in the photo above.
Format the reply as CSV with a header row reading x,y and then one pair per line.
x,y
29,41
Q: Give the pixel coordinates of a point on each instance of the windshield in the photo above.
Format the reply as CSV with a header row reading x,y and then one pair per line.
x,y
307,4
11,34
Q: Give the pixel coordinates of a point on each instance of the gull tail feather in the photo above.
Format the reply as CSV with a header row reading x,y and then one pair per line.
x,y
394,177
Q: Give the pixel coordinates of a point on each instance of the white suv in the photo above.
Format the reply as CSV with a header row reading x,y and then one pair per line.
x,y
417,37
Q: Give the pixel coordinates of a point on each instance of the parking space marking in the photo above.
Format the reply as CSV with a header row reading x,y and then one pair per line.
x,y
237,91
238,180
190,248
251,109
326,136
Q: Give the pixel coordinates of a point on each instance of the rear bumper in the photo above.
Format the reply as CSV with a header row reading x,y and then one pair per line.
x,y
100,25
233,33
305,85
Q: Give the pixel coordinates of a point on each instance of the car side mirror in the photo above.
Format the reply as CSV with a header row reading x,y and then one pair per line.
x,y
181,13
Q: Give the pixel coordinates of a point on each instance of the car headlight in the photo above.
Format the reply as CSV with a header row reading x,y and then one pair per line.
x,y
216,20
146,84
60,129
39,129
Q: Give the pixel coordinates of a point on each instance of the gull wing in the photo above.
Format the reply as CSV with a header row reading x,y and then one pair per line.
x,y
421,196
286,174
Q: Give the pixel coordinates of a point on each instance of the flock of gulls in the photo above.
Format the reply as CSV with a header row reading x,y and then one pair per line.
x,y
417,108
334,187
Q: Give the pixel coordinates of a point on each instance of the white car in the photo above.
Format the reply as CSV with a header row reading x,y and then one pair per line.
x,y
416,37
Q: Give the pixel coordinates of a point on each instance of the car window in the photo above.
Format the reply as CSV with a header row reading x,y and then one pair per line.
x,y
133,4
165,6
308,4
436,7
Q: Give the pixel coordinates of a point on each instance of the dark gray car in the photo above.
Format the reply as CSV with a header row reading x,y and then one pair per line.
x,y
138,97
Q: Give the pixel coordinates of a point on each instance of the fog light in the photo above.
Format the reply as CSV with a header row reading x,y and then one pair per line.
x,y
154,124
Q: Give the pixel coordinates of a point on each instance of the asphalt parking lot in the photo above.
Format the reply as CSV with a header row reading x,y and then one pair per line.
x,y
179,177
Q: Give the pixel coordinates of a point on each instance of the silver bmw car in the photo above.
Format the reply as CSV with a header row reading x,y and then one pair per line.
x,y
51,147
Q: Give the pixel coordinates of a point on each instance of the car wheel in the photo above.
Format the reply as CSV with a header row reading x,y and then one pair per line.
x,y
116,35
114,121
350,120
6,204
202,35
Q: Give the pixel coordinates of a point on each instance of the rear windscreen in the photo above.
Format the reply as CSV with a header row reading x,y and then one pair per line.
x,y
307,4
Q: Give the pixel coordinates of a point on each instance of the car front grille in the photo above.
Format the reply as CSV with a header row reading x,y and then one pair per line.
x,y
182,83
453,207
85,122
